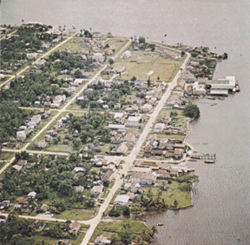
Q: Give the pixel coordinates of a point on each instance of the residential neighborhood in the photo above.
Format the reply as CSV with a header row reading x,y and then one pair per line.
x,y
94,130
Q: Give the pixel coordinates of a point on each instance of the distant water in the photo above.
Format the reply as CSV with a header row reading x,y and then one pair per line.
x,y
221,212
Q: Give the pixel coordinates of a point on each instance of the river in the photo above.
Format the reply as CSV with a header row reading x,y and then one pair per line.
x,y
221,211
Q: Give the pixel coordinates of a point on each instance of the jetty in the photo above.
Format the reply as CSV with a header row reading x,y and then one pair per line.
x,y
207,157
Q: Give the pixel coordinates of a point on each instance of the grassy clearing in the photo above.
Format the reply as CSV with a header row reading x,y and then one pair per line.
x,y
163,67
110,228
175,191
117,43
76,214
52,241
75,44
6,156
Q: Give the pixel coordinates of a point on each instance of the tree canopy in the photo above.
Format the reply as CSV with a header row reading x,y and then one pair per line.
x,y
192,111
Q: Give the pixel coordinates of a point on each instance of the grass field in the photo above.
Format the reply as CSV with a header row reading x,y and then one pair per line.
x,y
149,63
175,191
76,214
74,45
110,228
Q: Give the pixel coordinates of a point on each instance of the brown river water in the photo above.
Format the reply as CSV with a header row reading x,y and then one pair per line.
x,y
221,211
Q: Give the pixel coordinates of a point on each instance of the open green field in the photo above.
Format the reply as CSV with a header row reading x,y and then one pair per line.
x,y
110,228
117,43
175,191
76,214
75,44
149,64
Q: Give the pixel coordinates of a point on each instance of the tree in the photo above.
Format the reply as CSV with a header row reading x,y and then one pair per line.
x,y
111,61
175,203
173,114
133,79
192,111
126,211
78,74
148,82
182,53
142,40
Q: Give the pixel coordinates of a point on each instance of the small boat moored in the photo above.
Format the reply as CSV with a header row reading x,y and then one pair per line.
x,y
160,224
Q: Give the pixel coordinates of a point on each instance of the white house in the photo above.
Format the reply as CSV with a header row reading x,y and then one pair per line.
x,y
21,135
159,127
32,194
133,121
98,57
31,56
144,179
126,54
122,200
96,190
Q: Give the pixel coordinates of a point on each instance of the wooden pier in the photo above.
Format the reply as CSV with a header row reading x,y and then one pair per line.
x,y
207,157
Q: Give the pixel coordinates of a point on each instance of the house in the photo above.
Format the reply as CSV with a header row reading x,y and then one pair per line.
x,y
77,82
21,135
178,153
96,190
43,209
36,119
63,242
22,162
79,188
126,54
146,108
172,54
151,164
133,121
148,151
134,187
116,126
98,57
78,170
143,170
96,34
74,227
159,127
121,200
188,77
17,168
119,69
5,204
144,179
32,194
198,89
31,56
102,240
129,137
40,144
120,149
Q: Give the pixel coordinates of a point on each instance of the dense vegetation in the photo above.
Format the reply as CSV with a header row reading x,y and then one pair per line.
x,y
117,91
91,126
11,118
18,231
51,179
26,38
33,87
192,111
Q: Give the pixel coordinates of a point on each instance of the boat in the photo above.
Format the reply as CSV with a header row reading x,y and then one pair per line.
x,y
209,161
221,98
211,98
160,224
213,104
